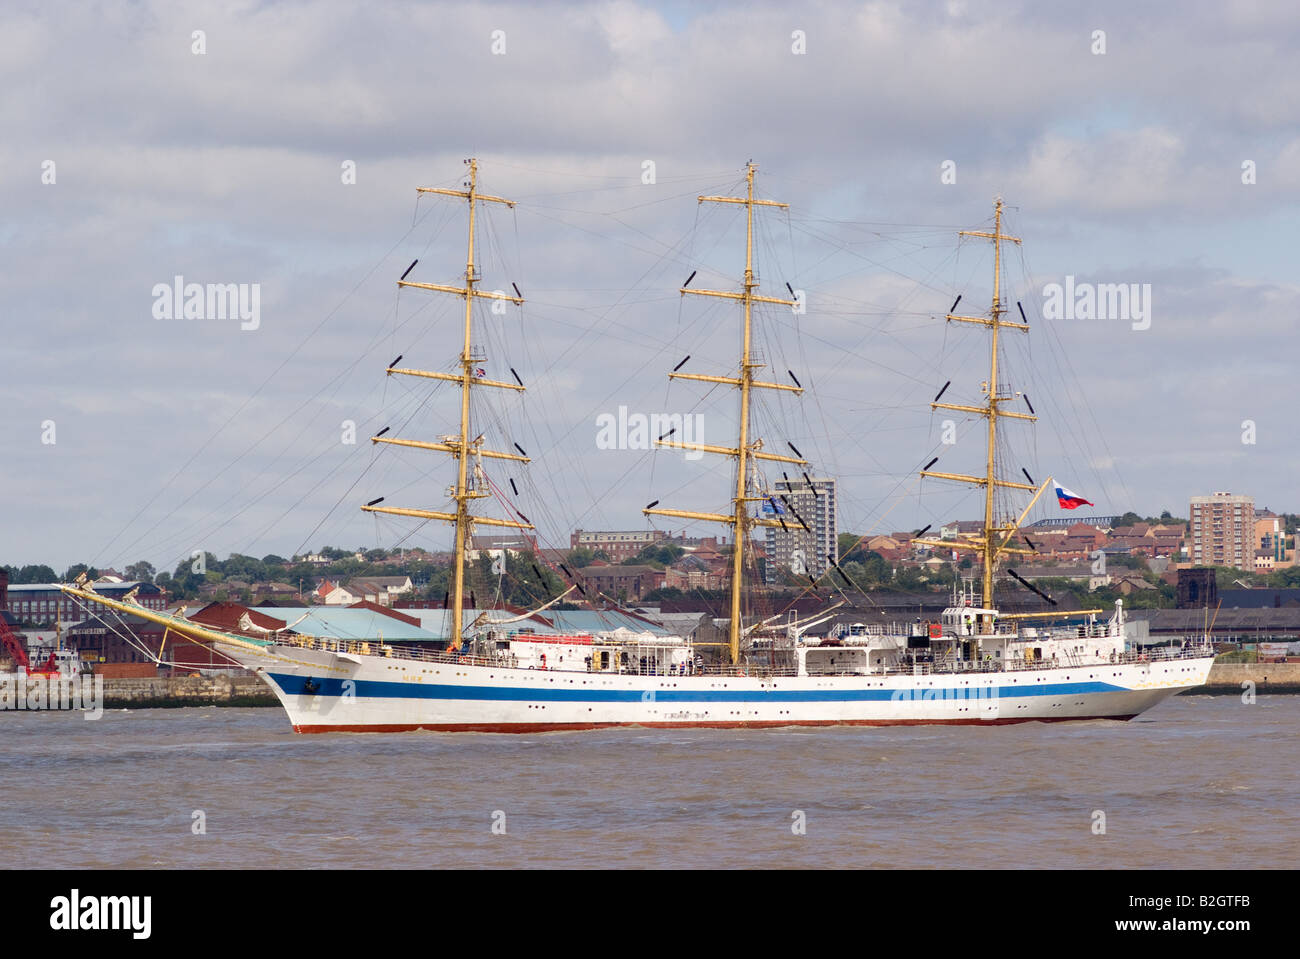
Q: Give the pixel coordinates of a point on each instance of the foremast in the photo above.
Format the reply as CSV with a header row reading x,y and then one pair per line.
x,y
468,487
992,541
746,449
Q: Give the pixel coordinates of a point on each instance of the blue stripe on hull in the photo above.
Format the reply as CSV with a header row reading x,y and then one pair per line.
x,y
372,689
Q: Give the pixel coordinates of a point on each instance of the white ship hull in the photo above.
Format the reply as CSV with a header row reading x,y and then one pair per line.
x,y
325,691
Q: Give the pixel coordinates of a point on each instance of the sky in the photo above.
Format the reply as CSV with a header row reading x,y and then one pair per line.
x,y
279,147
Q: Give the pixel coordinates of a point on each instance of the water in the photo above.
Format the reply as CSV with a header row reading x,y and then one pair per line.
x,y
1197,782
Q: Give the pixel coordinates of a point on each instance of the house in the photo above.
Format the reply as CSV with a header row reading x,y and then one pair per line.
x,y
275,589
381,590
1047,541
960,529
624,583
686,578
274,592
888,547
1130,583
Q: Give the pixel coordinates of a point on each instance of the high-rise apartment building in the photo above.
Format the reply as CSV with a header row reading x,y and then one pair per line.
x,y
1222,531
803,552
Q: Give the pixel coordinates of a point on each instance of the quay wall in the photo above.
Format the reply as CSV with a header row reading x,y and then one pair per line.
x,y
1226,678
234,690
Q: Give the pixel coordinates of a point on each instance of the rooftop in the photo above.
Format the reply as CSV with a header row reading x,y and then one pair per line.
x,y
346,622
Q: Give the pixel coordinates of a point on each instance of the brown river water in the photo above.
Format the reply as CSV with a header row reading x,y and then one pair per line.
x,y
1197,782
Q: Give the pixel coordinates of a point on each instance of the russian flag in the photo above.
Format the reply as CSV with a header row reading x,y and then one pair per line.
x,y
1070,500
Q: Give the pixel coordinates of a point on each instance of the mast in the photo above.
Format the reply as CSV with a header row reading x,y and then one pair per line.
x,y
745,449
469,487
986,543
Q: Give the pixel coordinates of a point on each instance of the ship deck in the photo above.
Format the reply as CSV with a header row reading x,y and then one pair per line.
x,y
755,668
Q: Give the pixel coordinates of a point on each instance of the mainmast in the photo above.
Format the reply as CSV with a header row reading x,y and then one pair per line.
x,y
468,487
745,449
987,542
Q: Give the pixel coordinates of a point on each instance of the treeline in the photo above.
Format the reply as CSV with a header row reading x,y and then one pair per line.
x,y
189,576
658,556
25,575
516,579
185,581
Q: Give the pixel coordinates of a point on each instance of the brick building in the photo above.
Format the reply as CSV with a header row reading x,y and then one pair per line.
x,y
617,544
623,583
43,604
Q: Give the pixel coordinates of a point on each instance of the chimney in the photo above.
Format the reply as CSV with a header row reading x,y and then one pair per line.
x,y
4,589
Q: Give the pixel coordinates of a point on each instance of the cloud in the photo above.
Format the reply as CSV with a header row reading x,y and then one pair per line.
x,y
226,167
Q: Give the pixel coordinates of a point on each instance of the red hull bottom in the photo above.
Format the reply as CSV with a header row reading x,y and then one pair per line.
x,y
578,727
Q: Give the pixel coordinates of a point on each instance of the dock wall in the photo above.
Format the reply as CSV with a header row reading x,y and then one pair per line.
x,y
235,690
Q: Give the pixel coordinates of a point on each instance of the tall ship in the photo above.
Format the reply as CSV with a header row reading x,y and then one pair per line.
x,y
973,665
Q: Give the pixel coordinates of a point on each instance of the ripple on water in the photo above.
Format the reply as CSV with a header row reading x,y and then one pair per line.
x,y
122,791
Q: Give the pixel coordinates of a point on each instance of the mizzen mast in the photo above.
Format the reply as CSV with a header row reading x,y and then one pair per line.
x,y
985,542
469,487
745,449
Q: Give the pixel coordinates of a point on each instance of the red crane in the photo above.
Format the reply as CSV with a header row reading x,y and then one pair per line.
x,y
13,646
19,655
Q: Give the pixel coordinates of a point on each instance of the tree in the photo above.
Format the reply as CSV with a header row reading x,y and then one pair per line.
x,y
908,578
867,569
582,556
185,581
439,583
31,574
847,544
142,571
239,566
1285,578
670,553
942,577
526,583
656,556
1227,576
77,569
658,595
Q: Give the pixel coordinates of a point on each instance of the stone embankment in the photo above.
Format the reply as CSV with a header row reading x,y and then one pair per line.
x,y
1267,677
234,690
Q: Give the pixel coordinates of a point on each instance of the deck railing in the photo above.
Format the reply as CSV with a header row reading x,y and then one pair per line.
x,y
760,670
